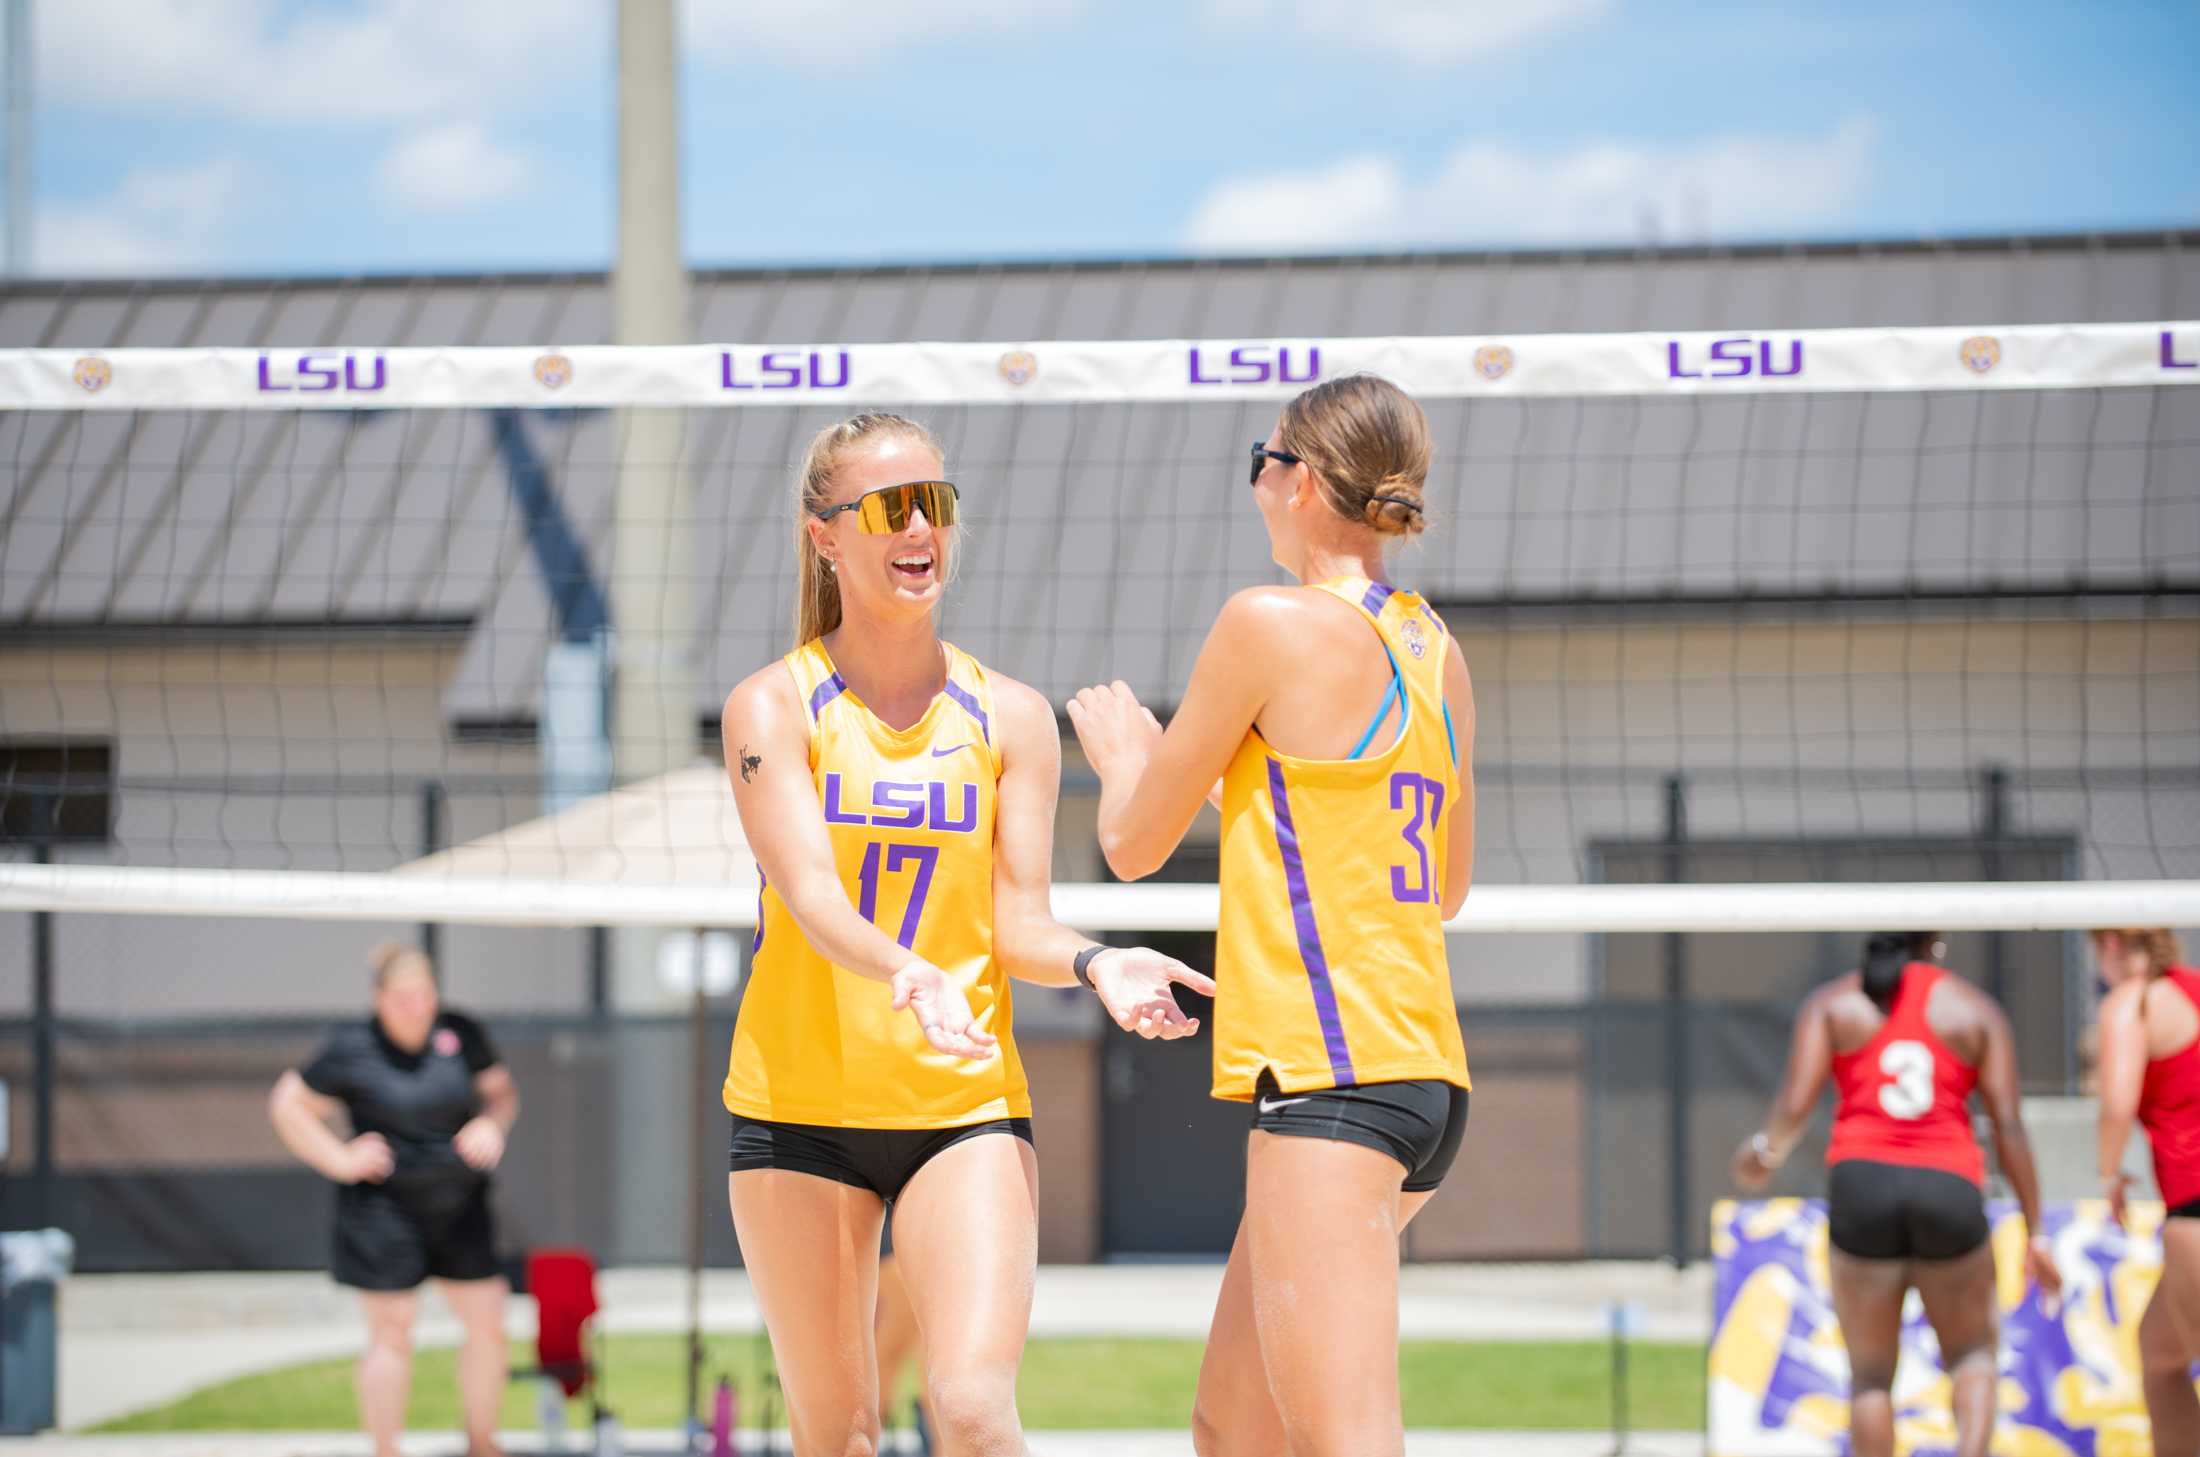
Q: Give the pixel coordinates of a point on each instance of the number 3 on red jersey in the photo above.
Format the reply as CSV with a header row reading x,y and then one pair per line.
x,y
1908,1092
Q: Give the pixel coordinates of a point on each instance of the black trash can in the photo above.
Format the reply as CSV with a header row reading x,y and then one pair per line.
x,y
33,1263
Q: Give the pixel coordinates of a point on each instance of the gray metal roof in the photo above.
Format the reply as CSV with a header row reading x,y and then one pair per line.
x,y
1104,536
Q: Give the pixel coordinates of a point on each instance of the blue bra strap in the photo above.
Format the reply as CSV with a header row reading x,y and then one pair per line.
x,y
1450,737
1397,695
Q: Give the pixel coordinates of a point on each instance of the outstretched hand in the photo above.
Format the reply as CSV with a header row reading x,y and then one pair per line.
x,y
1114,729
1133,983
942,1011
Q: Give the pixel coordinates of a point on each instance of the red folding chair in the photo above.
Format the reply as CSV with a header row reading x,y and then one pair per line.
x,y
563,1283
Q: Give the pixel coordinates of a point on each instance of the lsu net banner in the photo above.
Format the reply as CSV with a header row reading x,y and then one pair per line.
x,y
1779,1376
1981,357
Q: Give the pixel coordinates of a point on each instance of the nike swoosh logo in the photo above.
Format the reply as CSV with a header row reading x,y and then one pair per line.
x,y
1270,1105
943,753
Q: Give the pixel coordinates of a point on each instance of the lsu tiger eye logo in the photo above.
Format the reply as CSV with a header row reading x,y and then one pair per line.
x,y
1416,637
93,374
1493,361
1019,367
1980,353
553,371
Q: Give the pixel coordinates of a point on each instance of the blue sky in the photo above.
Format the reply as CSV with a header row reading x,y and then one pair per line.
x,y
250,136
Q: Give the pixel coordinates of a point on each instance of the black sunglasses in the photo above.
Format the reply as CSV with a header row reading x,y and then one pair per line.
x,y
1262,455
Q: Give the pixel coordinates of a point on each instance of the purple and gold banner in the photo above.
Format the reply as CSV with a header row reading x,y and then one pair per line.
x,y
1779,1376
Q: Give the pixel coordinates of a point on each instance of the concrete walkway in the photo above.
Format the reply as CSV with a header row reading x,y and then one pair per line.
x,y
133,1341
1043,1444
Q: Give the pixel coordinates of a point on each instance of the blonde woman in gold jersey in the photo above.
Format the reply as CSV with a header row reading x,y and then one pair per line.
x,y
1338,718
900,800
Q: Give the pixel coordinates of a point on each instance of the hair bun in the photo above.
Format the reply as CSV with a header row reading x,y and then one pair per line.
x,y
1394,506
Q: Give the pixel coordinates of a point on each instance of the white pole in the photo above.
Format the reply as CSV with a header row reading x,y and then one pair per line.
x,y
653,558
653,703
2061,905
18,42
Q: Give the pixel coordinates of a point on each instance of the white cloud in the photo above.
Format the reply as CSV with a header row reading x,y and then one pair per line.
x,y
157,220
1423,33
267,61
1490,192
839,35
453,167
422,60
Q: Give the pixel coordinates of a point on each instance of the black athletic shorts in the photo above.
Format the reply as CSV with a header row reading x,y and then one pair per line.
x,y
391,1237
1878,1211
2190,1209
1417,1123
882,1160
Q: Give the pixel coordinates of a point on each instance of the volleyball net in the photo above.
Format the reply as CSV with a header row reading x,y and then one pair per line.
x,y
1777,637
1903,592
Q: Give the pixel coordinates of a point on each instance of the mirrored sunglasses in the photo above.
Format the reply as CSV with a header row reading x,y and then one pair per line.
x,y
885,511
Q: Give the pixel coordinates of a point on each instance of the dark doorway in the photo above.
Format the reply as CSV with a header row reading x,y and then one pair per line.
x,y
1172,1158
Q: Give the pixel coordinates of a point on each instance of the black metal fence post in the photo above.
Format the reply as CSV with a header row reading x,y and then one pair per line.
x,y
431,840
1678,1089
1993,834
42,1056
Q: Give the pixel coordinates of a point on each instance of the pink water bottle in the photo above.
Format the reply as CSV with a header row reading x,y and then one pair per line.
x,y
722,1419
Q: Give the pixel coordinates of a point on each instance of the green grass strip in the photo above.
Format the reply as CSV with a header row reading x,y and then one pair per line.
x,y
1084,1383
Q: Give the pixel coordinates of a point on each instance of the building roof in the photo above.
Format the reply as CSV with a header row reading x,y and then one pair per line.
x,y
1103,537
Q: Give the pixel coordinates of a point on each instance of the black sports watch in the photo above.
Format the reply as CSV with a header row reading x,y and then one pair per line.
x,y
1084,959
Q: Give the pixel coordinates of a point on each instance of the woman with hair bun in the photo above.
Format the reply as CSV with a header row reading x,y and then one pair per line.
x,y
1905,1044
430,1105
1338,717
2150,1074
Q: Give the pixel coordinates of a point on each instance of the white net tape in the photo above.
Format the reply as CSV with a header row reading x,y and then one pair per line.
x,y
306,895
1986,357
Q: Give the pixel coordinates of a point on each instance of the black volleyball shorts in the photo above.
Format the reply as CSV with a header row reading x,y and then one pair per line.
x,y
882,1160
1417,1123
1878,1211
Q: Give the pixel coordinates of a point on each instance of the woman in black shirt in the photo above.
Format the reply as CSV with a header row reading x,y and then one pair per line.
x,y
430,1105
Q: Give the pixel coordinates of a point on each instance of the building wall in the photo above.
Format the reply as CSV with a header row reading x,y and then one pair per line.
x,y
1851,726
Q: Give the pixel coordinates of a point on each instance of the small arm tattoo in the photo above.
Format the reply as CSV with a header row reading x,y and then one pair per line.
x,y
749,764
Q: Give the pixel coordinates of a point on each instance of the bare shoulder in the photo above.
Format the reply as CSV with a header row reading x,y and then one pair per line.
x,y
763,705
1271,611
2125,999
1851,1018
1027,718
1967,1019
769,687
1954,995
1845,1005
1827,995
